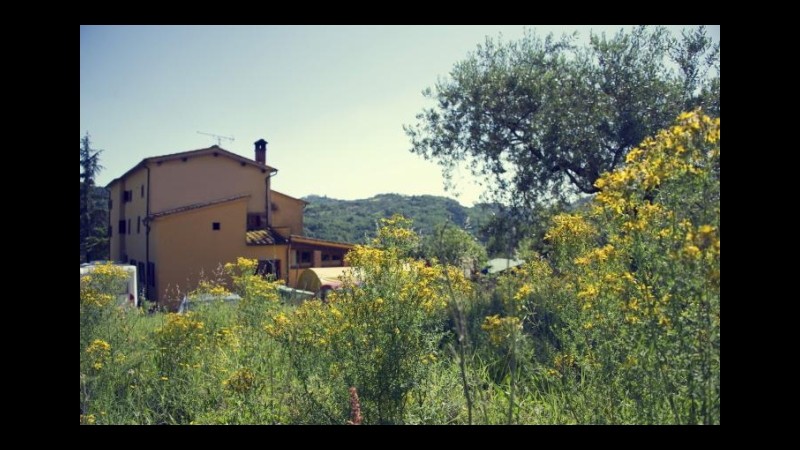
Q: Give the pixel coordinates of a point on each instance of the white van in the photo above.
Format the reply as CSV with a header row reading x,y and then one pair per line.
x,y
129,291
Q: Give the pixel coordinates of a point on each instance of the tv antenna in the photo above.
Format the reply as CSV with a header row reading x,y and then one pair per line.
x,y
218,137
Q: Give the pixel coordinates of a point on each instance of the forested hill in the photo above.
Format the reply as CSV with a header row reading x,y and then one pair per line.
x,y
355,220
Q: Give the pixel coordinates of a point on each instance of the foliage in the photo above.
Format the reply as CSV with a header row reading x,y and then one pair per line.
x,y
215,364
378,334
94,218
541,119
104,339
394,236
453,246
98,299
636,286
355,220
618,323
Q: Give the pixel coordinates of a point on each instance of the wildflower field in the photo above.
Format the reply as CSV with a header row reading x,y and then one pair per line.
x,y
617,323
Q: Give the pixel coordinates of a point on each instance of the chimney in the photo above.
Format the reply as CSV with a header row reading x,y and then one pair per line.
x,y
261,151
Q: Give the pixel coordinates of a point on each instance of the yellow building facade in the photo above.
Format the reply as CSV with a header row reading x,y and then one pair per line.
x,y
181,216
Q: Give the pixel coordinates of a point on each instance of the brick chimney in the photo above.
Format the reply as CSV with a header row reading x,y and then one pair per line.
x,y
261,151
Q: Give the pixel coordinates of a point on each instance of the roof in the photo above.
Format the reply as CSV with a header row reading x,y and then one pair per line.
x,y
316,278
297,239
299,200
500,264
213,150
264,237
192,206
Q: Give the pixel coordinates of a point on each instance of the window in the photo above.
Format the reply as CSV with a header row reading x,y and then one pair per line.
x,y
305,257
110,204
138,224
122,226
129,226
110,230
336,257
269,268
127,196
326,257
256,221
151,274
302,258
140,272
142,190
215,226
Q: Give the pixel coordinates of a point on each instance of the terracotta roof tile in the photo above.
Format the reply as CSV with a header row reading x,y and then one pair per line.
x,y
264,237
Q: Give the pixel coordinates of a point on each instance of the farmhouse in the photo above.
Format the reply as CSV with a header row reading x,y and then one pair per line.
x,y
179,215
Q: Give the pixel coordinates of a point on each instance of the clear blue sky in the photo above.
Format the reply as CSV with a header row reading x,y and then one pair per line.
x,y
331,100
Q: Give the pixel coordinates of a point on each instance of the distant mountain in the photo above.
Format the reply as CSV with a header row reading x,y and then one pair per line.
x,y
355,220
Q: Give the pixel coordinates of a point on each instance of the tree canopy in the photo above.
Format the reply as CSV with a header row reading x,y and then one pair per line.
x,y
354,220
453,246
539,120
94,218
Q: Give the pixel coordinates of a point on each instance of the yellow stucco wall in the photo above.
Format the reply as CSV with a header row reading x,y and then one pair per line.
x,y
288,213
113,219
132,243
184,244
202,178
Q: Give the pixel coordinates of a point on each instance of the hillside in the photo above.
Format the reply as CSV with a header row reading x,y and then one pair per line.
x,y
355,220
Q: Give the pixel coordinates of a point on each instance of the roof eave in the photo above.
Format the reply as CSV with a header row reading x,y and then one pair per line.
x,y
172,156
294,238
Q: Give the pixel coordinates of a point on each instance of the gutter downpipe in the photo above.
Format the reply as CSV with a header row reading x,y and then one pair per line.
x,y
268,200
147,239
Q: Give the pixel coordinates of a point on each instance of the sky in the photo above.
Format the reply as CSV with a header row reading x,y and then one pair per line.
x,y
330,100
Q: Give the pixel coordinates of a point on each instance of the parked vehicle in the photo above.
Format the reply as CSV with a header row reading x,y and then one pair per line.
x,y
128,293
192,302
295,297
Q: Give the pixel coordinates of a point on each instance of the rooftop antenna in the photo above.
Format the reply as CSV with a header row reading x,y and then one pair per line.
x,y
218,137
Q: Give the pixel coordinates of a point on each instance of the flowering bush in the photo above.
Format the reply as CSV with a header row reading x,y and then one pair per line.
x,y
377,335
636,284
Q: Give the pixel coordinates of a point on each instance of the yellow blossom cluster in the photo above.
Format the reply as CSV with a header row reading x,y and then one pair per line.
x,y
571,227
228,337
599,254
98,352
241,381
501,329
366,256
99,285
209,288
251,286
688,148
181,330
639,269
563,362
395,235
88,419
524,282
